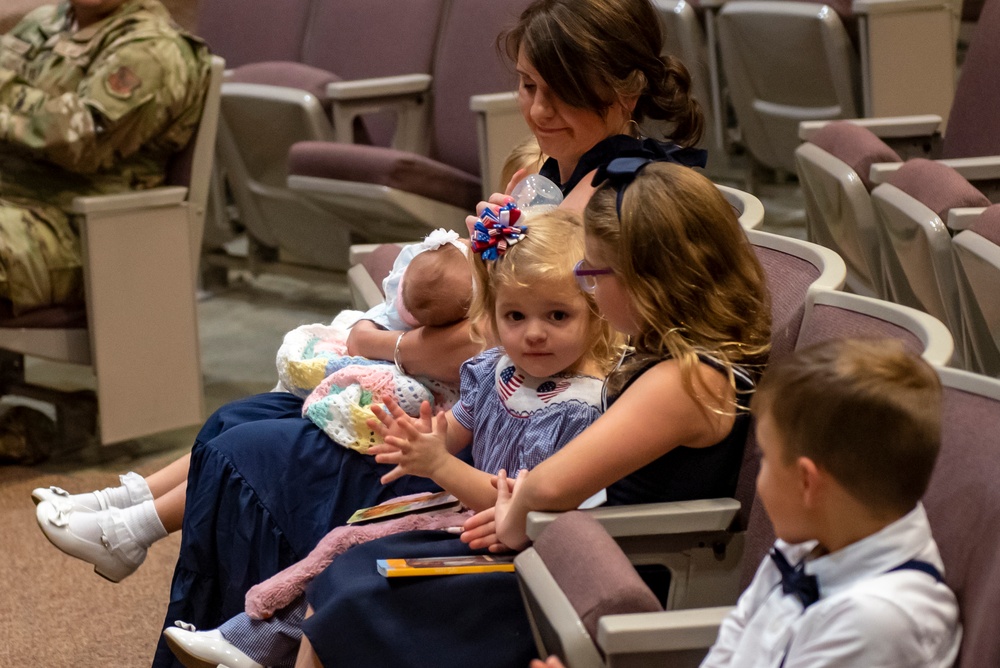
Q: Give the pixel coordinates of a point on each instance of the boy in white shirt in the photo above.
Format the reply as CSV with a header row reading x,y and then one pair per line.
x,y
848,433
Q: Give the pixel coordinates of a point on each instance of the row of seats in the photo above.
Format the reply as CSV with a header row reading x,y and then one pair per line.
x,y
306,203
917,233
368,135
780,63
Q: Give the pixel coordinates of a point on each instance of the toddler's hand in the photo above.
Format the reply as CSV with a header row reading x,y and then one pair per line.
x,y
415,451
392,422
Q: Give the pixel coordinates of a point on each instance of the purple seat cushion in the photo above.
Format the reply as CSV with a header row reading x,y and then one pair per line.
x,y
936,186
592,570
962,503
832,322
988,224
788,279
387,167
856,146
379,263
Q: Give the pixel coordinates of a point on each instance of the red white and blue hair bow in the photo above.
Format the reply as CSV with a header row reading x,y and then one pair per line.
x,y
495,232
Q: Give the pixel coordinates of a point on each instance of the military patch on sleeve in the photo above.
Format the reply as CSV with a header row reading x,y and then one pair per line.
x,y
122,82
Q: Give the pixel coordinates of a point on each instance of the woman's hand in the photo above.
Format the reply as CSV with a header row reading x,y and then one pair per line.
x,y
510,524
551,662
495,201
417,447
479,531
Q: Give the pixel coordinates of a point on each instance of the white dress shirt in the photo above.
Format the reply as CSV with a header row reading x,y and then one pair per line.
x,y
866,617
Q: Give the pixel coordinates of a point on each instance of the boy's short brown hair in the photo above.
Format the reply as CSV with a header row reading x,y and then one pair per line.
x,y
866,411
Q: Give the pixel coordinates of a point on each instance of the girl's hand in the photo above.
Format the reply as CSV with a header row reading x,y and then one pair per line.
x,y
390,423
495,201
414,451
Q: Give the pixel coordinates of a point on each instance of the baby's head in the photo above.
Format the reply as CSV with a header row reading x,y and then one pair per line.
x,y
436,287
532,281
527,156
864,413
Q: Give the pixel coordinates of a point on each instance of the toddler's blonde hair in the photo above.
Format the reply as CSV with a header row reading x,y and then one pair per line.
x,y
546,257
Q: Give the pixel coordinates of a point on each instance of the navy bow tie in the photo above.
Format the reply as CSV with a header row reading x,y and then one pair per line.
x,y
795,581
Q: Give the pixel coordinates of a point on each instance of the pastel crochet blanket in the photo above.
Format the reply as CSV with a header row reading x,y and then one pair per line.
x,y
340,389
280,590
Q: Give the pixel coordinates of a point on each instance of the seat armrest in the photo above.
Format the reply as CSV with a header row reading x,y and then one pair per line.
x,y
986,168
396,86
880,7
649,632
406,95
140,199
890,127
651,519
493,103
963,218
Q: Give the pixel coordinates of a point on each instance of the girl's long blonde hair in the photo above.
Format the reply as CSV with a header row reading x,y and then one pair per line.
x,y
695,283
544,257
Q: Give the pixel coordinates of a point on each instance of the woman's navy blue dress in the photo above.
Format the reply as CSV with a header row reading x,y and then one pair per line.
x,y
265,485
364,619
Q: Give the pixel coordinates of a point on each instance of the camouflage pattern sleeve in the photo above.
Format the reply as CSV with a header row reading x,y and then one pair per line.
x,y
129,96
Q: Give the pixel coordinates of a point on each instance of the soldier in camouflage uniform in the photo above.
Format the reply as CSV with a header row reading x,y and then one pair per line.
x,y
95,96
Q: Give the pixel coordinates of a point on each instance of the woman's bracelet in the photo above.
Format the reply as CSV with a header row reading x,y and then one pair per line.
x,y
395,354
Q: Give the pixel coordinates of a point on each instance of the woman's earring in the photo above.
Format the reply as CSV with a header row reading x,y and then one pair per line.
x,y
632,129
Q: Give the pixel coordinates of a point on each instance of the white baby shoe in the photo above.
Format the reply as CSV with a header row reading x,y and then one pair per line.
x,y
205,649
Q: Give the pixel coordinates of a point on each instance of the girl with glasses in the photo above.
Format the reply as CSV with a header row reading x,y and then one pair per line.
x,y
685,285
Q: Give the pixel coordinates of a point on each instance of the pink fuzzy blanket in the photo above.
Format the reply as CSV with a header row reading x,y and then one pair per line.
x,y
277,592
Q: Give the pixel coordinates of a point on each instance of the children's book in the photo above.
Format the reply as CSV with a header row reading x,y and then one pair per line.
x,y
396,508
477,563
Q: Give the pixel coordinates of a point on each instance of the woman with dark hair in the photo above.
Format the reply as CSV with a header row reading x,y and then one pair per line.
x,y
589,72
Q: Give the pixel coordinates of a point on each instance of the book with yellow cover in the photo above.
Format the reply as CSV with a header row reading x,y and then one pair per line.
x,y
476,563
395,507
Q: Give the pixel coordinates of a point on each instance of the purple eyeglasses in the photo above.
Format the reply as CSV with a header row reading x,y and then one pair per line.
x,y
586,278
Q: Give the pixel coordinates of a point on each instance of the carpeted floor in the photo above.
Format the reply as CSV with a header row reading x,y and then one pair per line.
x,y
55,612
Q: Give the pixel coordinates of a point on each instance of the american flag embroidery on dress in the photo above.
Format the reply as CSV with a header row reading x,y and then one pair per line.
x,y
549,389
509,382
